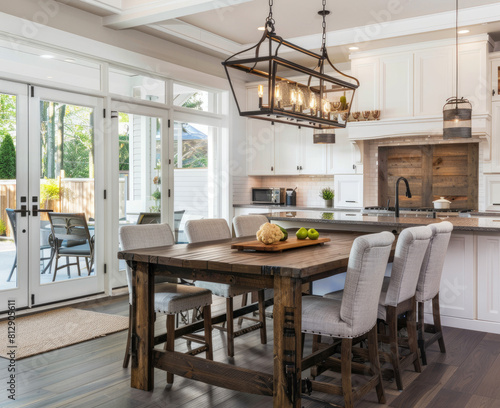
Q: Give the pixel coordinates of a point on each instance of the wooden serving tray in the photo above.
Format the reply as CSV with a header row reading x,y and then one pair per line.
x,y
280,246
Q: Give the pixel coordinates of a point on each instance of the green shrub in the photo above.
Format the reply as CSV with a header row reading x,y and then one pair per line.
x,y
7,158
3,227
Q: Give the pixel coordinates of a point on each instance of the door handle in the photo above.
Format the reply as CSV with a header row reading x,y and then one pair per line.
x,y
36,210
24,211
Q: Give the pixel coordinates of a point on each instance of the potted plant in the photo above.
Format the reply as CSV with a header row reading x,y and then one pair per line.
x,y
327,195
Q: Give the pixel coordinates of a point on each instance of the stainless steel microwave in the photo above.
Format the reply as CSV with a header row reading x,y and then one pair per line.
x,y
268,195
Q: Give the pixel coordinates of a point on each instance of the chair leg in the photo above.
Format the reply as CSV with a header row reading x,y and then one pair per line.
x,y
262,317
77,266
392,321
346,373
68,267
126,359
411,325
436,314
13,267
169,344
420,328
230,327
55,269
244,302
207,318
375,363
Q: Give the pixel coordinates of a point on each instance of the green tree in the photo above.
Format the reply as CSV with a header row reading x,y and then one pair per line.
x,y
194,102
7,158
8,114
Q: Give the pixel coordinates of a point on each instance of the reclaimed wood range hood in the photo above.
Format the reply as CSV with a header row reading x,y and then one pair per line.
x,y
433,171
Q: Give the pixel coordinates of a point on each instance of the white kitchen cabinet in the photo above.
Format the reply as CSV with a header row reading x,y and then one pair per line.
x,y
340,155
492,192
260,148
472,83
434,79
286,149
488,278
348,191
396,85
456,293
312,156
367,96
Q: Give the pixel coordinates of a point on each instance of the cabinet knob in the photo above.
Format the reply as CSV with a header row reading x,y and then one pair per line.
x,y
493,92
300,167
272,168
297,167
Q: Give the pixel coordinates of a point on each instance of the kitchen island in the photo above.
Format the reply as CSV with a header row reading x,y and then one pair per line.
x,y
470,285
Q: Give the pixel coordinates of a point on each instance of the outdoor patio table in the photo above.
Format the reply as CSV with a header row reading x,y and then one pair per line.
x,y
286,272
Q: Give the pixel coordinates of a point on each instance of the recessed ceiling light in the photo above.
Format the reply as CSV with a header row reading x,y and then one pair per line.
x,y
354,48
46,56
463,31
49,77
261,28
69,60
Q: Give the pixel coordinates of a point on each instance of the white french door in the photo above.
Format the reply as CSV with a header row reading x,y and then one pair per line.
x,y
58,139
141,176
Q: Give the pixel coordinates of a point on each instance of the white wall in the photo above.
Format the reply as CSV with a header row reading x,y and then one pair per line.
x,y
191,192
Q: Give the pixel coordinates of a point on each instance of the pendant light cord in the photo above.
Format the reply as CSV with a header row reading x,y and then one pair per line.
x,y
323,38
456,56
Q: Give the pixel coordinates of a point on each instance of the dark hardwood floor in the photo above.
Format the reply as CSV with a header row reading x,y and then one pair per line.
x,y
90,375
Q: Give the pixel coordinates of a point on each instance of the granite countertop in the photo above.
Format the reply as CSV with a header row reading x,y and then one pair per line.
x,y
483,224
295,208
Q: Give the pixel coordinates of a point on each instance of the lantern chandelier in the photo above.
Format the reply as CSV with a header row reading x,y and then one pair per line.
x,y
457,112
318,101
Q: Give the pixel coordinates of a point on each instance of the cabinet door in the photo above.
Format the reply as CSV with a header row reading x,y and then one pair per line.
x,y
396,85
492,192
286,149
340,156
348,191
456,293
260,148
433,80
488,278
367,96
312,156
472,69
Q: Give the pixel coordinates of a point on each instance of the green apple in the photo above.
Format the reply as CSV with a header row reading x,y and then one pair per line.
x,y
313,234
301,233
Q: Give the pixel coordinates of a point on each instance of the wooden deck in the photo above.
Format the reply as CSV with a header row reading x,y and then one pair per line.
x,y
90,374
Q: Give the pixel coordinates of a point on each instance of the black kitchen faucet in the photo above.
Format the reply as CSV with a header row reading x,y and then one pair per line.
x,y
408,194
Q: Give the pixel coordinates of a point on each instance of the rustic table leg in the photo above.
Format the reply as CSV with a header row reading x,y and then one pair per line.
x,y
287,342
142,376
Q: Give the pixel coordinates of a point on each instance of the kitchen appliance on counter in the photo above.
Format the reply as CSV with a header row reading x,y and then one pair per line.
x,y
268,195
291,196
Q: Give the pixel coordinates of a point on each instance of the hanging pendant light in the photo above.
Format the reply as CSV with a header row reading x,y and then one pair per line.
x,y
317,102
457,112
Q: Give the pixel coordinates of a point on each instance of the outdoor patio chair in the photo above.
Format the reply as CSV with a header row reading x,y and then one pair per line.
x,y
71,238
149,218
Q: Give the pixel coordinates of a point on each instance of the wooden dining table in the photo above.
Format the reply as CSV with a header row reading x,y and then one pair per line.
x,y
216,261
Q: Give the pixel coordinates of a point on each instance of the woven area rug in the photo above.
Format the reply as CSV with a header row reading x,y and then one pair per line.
x,y
55,329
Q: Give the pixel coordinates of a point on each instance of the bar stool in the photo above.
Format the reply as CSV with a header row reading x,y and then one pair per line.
x,y
353,316
216,229
398,297
170,298
428,286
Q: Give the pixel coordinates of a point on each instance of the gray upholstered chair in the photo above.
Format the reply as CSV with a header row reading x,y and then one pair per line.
x,y
247,225
353,316
398,297
217,229
170,298
428,286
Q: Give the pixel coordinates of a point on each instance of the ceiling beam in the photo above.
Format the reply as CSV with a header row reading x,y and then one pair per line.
x,y
114,6
155,11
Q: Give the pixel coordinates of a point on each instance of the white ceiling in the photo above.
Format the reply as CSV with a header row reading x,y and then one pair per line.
x,y
224,27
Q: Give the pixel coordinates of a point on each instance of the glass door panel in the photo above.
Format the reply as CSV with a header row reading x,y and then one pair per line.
x,y
66,130
141,187
192,182
13,186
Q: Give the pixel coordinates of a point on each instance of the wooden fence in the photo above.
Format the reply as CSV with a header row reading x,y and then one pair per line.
x,y
80,198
